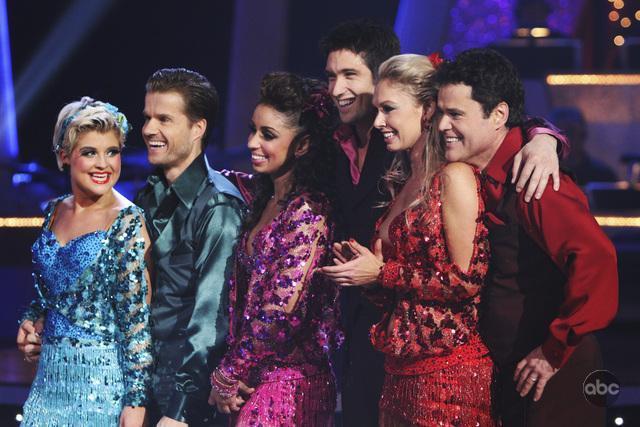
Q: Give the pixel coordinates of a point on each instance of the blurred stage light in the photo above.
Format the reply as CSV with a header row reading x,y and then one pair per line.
x,y
19,418
593,79
618,221
618,4
20,178
618,40
614,16
16,222
625,22
80,18
618,421
540,32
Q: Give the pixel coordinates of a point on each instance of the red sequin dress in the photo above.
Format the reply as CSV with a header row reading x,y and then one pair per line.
x,y
438,371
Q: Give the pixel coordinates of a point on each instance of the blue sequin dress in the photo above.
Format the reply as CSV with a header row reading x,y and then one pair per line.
x,y
96,350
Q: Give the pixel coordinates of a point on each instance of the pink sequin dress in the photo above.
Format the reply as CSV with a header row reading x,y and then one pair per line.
x,y
284,351
438,371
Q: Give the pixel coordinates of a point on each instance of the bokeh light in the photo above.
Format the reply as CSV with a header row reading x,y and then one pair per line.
x,y
618,40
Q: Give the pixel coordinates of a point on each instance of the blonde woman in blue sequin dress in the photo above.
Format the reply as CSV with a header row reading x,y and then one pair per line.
x,y
92,284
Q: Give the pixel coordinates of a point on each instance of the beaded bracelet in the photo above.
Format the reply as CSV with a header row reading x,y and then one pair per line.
x,y
224,386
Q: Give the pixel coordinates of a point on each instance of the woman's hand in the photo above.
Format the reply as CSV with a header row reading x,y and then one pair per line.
x,y
28,339
233,403
132,416
361,269
225,405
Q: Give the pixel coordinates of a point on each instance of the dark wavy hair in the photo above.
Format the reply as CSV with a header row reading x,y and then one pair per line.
x,y
199,95
375,42
308,108
492,78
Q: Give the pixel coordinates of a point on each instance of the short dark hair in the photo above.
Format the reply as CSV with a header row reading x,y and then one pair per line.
x,y
375,42
200,96
492,78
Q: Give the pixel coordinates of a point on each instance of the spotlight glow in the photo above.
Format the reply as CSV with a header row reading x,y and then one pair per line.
x,y
65,36
614,16
625,22
618,421
638,15
8,130
618,40
19,417
618,4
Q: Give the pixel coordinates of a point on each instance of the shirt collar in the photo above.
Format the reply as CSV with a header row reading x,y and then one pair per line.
x,y
345,133
188,183
500,165
347,140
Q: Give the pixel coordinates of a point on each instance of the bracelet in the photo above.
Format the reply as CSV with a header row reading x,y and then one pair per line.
x,y
224,386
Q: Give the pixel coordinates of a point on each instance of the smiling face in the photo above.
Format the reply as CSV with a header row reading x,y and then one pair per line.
x,y
350,85
399,117
94,163
270,140
470,135
173,141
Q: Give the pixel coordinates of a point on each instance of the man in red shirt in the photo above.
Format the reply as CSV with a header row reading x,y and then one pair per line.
x,y
553,273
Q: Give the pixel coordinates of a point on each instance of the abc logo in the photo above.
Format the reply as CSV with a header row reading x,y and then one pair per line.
x,y
601,388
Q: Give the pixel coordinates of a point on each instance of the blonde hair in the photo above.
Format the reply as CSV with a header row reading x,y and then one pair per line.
x,y
414,75
83,116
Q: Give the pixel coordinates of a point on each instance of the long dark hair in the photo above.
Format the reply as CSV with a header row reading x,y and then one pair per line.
x,y
308,107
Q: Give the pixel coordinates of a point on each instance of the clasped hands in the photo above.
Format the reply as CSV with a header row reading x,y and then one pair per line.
x,y
355,265
233,403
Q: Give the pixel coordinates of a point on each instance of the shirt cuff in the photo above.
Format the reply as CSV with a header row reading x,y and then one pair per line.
x,y
563,144
177,407
556,352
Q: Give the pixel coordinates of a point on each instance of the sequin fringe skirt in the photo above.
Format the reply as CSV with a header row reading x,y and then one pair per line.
x,y
75,386
287,399
458,395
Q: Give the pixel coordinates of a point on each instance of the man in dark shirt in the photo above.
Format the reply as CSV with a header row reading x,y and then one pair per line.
x,y
553,273
193,215
354,51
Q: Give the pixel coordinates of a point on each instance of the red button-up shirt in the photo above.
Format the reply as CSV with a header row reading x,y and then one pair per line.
x,y
562,226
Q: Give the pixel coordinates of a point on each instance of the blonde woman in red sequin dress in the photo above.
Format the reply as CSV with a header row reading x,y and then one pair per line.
x,y
427,266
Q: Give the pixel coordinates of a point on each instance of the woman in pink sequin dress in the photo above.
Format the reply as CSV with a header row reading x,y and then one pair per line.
x,y
427,265
283,315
